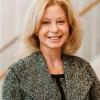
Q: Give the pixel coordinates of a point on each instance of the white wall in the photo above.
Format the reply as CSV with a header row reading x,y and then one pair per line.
x,y
91,25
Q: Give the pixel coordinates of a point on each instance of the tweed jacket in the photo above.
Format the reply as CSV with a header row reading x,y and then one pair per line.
x,y
29,79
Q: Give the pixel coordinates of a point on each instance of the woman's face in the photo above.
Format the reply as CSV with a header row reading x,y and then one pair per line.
x,y
54,28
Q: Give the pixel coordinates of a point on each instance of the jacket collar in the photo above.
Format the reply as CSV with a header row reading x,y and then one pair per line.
x,y
37,82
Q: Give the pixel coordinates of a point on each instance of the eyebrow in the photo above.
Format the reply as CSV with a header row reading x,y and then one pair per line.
x,y
62,17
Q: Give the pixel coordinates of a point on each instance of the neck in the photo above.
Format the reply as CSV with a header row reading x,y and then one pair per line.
x,y
51,54
53,59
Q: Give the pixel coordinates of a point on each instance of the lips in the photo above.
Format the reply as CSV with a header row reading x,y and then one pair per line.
x,y
54,37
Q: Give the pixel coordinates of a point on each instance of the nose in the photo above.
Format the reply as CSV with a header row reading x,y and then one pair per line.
x,y
54,28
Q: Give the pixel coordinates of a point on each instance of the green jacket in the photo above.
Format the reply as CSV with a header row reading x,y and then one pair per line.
x,y
28,79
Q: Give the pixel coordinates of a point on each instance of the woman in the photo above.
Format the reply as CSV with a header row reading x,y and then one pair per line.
x,y
51,72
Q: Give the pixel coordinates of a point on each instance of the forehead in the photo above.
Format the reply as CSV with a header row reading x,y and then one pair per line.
x,y
54,11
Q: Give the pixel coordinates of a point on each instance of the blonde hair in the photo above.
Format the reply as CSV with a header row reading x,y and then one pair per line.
x,y
33,19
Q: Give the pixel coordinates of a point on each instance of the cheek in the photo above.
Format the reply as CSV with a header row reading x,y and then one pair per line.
x,y
43,30
65,30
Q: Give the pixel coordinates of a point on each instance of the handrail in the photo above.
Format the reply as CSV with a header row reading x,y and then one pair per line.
x,y
2,74
88,7
9,43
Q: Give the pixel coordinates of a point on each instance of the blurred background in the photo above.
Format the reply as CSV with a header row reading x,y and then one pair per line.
x,y
12,13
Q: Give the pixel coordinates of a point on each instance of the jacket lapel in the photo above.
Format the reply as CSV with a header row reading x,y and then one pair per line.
x,y
36,81
78,80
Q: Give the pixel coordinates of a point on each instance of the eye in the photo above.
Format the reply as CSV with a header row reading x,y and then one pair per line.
x,y
45,22
61,22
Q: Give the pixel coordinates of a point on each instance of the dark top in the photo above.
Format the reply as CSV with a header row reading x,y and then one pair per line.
x,y
59,78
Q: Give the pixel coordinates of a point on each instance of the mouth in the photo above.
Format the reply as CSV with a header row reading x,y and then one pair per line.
x,y
54,37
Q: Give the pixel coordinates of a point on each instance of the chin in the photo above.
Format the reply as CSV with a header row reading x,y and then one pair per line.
x,y
55,46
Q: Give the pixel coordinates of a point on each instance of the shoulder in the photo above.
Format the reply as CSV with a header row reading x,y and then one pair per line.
x,y
20,66
24,61
76,59
79,64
